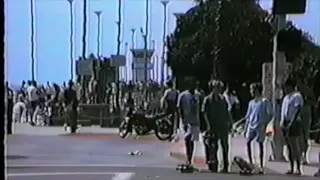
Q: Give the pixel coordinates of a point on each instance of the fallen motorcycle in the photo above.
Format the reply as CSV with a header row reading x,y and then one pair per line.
x,y
144,124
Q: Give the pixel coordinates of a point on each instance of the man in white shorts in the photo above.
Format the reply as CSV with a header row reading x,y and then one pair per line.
x,y
189,108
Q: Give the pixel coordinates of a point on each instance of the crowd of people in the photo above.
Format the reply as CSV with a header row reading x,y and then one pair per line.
x,y
213,113
38,104
217,112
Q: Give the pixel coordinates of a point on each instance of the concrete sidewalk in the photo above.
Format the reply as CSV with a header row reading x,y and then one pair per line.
x,y
237,148
27,129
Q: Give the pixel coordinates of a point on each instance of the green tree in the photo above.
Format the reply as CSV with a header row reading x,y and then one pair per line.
x,y
245,39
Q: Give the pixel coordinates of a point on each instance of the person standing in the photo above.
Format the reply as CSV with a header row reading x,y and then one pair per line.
x,y
189,107
306,115
218,119
291,126
10,105
33,99
258,116
169,101
71,104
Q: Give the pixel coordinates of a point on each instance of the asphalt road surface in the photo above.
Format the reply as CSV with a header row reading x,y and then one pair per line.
x,y
100,157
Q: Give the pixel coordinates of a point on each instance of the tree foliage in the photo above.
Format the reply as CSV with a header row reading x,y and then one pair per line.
x,y
245,42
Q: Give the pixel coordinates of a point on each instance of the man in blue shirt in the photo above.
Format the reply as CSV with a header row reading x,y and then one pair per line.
x,y
258,116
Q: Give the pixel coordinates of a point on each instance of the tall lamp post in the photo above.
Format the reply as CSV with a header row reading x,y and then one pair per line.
x,y
98,13
165,5
153,46
32,39
145,38
133,45
71,38
125,69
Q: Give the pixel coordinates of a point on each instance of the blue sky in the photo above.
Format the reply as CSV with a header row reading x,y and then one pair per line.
x,y
52,31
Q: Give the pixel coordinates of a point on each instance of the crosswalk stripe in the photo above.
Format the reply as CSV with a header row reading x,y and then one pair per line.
x,y
116,175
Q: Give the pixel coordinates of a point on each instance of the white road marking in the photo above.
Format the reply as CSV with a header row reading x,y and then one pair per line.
x,y
117,176
89,165
69,165
122,176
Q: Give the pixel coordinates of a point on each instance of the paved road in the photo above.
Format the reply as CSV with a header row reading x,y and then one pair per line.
x,y
98,157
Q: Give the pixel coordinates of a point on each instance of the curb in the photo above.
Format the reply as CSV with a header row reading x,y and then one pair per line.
x,y
200,162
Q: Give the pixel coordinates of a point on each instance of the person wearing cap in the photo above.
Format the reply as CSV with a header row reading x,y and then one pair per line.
x,y
291,126
188,104
71,105
218,119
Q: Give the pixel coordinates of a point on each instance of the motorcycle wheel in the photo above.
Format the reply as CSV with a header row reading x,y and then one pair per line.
x,y
163,129
124,129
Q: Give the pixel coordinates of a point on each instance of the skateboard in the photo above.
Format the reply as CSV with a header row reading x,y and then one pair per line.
x,y
211,152
245,167
186,168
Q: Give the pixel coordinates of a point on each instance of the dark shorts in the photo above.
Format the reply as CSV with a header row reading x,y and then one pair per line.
x,y
34,104
294,131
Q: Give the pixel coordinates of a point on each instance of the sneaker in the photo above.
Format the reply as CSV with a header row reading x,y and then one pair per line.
x,y
224,171
289,172
297,173
304,161
317,174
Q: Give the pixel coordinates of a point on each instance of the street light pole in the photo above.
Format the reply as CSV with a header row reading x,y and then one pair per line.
x,y
84,29
145,38
32,39
153,47
165,5
125,74
71,39
98,13
133,34
279,63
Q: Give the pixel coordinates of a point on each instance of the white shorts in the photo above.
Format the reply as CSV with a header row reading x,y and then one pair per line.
x,y
194,131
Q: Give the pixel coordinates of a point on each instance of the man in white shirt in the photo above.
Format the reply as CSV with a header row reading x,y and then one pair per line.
x,y
291,124
33,98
